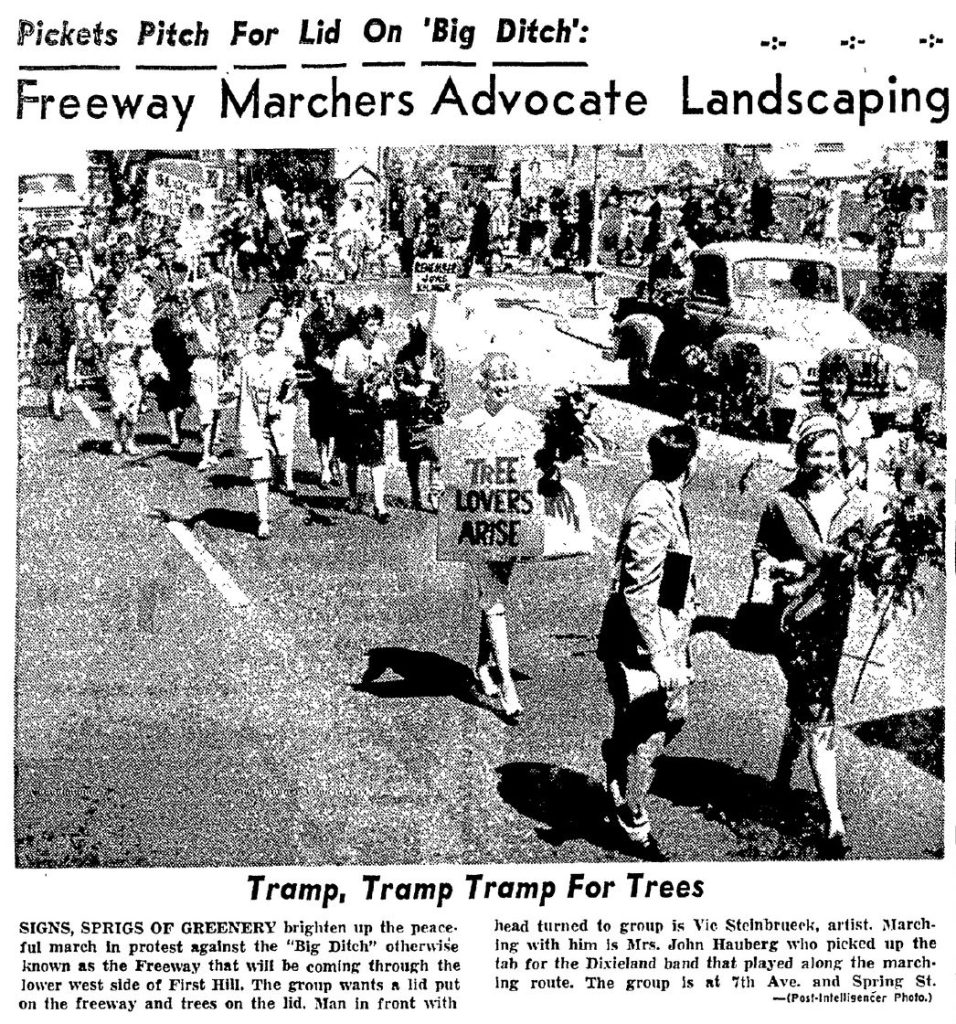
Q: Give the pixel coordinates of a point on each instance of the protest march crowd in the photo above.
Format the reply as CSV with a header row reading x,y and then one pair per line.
x,y
151,309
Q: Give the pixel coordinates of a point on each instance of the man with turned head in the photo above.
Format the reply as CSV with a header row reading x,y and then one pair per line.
x,y
646,629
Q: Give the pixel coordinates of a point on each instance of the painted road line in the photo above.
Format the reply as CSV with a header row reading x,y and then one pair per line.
x,y
86,412
211,569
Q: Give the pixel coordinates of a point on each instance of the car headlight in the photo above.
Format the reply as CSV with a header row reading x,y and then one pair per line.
x,y
903,378
788,376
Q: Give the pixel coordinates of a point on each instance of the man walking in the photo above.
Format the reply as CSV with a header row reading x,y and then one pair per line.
x,y
646,629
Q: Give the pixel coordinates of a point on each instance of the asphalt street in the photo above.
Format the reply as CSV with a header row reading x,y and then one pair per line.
x,y
320,711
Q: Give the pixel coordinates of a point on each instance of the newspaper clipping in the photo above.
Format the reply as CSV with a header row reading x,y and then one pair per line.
x,y
476,518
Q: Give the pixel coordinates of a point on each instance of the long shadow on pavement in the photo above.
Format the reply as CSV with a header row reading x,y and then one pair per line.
x,y
567,803
225,519
572,806
226,481
420,674
767,824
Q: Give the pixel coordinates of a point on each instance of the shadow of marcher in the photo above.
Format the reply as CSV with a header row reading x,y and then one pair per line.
x,y
225,519
226,481
186,458
770,824
316,504
95,446
420,674
568,804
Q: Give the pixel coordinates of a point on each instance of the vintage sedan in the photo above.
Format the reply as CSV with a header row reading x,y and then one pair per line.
x,y
755,322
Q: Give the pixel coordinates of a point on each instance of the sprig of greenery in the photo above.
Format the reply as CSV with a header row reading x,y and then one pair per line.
x,y
566,434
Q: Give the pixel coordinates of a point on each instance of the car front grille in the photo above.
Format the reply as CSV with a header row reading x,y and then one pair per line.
x,y
870,376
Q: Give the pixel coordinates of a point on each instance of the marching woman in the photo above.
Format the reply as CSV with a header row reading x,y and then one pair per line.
x,y
291,320
78,291
497,417
805,546
421,406
52,318
322,332
837,382
129,356
361,371
266,414
171,295
204,344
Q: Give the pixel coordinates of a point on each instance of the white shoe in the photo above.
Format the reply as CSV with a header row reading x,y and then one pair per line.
x,y
637,830
132,449
116,448
263,532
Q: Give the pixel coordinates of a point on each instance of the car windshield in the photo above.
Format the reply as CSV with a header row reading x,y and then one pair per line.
x,y
787,279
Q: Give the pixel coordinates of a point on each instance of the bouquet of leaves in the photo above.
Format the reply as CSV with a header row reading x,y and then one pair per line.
x,y
889,561
375,390
565,426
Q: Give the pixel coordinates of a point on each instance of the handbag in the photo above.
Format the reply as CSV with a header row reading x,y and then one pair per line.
x,y
756,624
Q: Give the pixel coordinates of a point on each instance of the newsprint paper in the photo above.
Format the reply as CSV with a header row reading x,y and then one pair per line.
x,y
475,511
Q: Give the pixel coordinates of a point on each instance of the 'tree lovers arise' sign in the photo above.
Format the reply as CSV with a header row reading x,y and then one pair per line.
x,y
491,510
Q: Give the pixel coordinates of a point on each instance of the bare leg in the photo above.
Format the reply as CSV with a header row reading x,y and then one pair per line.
x,y
208,431
498,632
822,749
71,368
486,656
325,463
351,479
172,419
57,398
262,505
789,752
378,488
412,467
432,489
129,430
118,435
284,466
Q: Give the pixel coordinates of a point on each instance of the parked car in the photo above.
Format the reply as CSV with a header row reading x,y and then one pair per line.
x,y
757,318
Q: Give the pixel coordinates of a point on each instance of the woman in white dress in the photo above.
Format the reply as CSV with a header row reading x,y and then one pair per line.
x,y
204,342
126,348
266,415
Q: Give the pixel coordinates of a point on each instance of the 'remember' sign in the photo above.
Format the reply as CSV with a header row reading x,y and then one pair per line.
x,y
434,275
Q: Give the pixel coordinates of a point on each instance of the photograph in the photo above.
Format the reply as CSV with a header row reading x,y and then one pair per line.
x,y
481,504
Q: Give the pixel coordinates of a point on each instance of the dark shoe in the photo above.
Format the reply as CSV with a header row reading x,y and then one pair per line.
x,y
381,517
515,717
834,847
647,849
511,711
